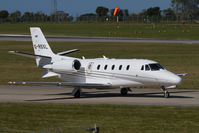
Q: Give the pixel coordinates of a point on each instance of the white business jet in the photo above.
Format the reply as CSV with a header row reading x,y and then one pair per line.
x,y
99,73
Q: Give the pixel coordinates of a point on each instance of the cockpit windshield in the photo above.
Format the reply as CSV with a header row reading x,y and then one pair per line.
x,y
156,67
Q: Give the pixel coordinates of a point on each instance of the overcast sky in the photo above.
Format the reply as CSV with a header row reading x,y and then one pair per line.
x,y
77,7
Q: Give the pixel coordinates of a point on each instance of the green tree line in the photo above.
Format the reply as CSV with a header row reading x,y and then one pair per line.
x,y
17,16
180,10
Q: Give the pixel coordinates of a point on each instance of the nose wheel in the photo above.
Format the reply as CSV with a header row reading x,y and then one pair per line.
x,y
166,93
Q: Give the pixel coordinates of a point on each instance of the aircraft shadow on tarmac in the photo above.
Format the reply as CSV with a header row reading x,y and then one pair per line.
x,y
105,94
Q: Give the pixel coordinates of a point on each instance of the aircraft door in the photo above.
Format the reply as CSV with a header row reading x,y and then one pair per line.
x,y
89,67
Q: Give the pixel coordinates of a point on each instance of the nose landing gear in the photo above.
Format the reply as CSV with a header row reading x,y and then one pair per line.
x,y
166,93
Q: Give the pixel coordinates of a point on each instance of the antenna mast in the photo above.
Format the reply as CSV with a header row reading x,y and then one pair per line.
x,y
54,6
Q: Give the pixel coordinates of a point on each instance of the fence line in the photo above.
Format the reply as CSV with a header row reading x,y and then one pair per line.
x,y
124,19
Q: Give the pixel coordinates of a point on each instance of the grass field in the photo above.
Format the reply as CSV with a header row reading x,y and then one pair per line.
x,y
163,31
178,58
75,118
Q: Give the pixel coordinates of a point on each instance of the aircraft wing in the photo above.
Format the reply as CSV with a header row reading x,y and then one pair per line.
x,y
27,54
183,74
64,84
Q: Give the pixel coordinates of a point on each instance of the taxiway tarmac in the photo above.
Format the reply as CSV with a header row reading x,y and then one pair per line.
x,y
15,37
58,94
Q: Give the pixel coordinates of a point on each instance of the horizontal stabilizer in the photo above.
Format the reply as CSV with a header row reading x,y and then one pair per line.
x,y
28,55
48,74
67,52
63,84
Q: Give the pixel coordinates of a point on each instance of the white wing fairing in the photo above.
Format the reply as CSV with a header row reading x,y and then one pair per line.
x,y
97,73
48,74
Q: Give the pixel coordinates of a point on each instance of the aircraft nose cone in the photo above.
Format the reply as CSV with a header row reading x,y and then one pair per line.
x,y
176,80
170,79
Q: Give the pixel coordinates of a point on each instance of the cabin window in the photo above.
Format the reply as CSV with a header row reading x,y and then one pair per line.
x,y
113,67
147,68
142,68
105,67
120,67
98,67
127,68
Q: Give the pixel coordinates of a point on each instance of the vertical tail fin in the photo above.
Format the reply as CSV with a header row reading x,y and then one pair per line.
x,y
40,46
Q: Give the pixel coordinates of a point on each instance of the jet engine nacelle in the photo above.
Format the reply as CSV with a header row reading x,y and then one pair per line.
x,y
66,66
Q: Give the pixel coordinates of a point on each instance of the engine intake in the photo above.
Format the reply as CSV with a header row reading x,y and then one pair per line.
x,y
76,64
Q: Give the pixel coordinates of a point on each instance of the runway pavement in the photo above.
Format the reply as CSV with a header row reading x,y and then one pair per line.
x,y
15,37
57,94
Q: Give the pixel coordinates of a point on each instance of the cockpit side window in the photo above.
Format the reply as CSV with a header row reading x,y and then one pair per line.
x,y
147,68
156,67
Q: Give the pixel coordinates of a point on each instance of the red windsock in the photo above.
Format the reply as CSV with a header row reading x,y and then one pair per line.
x,y
116,10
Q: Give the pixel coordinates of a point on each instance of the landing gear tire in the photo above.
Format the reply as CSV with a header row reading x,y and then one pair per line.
x,y
166,94
76,93
124,91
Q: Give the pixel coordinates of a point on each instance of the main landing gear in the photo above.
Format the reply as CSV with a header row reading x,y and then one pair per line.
x,y
124,91
166,93
76,92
